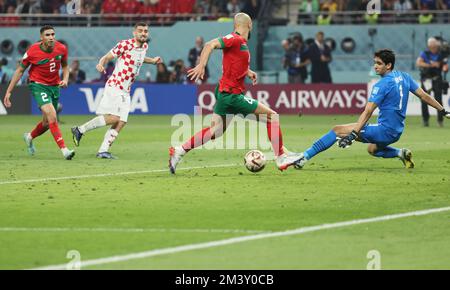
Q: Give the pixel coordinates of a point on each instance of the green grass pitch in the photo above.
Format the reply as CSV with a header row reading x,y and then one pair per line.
x,y
147,209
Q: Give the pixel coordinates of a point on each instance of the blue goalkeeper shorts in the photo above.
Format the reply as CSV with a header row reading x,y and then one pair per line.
x,y
378,134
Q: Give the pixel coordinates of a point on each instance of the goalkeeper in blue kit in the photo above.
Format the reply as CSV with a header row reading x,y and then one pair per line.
x,y
390,95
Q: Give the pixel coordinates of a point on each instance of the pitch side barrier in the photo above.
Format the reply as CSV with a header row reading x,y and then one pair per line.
x,y
163,99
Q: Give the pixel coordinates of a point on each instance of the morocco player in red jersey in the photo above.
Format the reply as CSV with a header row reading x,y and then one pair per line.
x,y
44,58
230,98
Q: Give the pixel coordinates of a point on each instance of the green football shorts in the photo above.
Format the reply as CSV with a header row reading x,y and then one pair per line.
x,y
45,94
227,103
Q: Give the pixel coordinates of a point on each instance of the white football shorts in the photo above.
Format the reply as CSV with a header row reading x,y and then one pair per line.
x,y
114,102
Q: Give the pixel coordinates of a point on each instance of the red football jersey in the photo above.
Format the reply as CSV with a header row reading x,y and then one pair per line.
x,y
235,63
45,66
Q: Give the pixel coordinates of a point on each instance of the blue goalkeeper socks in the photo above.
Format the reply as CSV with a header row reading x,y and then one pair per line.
x,y
325,142
388,152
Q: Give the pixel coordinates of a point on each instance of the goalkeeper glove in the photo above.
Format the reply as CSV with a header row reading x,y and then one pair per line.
x,y
445,113
348,140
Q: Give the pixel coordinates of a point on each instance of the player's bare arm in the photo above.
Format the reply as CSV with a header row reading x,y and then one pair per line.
x,y
153,60
103,61
431,101
350,132
253,76
15,79
65,80
365,116
198,72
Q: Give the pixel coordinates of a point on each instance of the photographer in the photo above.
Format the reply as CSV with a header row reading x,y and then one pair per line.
x,y
296,61
432,63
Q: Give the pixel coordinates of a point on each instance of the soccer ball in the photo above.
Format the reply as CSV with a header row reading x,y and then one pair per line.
x,y
255,160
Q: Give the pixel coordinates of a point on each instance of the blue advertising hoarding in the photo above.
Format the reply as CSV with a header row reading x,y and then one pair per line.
x,y
154,99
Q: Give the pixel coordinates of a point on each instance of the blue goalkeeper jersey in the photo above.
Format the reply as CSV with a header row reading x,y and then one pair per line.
x,y
391,94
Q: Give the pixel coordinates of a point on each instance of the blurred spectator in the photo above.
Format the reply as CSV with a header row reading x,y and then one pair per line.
x,y
149,7
23,7
195,52
444,4
11,19
205,5
129,6
426,16
97,5
307,10
162,74
427,4
62,9
185,6
402,6
167,6
3,6
233,7
324,17
110,7
251,7
76,75
199,10
388,5
296,61
331,5
286,44
320,55
179,73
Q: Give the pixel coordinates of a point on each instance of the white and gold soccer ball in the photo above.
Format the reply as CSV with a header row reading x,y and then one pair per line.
x,y
255,160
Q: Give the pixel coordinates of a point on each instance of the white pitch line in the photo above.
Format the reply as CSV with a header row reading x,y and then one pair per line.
x,y
110,174
127,230
192,247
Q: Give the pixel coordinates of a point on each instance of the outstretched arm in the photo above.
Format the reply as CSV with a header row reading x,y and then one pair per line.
x,y
198,72
103,61
153,60
363,118
15,79
431,101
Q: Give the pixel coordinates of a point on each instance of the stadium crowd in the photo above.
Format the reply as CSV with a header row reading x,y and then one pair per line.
x,y
214,8
324,12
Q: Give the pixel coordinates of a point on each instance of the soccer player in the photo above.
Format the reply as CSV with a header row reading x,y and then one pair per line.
x,y
114,106
44,58
390,95
230,98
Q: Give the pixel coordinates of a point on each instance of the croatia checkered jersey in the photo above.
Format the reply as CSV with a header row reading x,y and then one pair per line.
x,y
45,65
130,58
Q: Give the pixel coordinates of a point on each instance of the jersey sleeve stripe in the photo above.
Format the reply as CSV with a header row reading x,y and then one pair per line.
x,y
222,44
22,65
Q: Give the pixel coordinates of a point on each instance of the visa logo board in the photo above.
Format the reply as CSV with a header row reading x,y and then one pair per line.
x,y
152,99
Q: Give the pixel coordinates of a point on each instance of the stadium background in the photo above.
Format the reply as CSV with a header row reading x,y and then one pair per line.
x,y
173,33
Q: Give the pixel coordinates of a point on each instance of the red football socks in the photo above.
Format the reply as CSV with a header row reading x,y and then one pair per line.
x,y
275,137
198,139
38,130
54,128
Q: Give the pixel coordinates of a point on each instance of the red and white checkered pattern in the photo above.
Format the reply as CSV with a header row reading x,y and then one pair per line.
x,y
129,61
